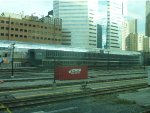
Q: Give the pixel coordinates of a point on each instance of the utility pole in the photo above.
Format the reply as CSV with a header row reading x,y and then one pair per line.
x,y
12,63
54,81
144,59
108,60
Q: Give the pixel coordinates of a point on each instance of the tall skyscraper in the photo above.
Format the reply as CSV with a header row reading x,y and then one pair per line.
x,y
147,7
102,20
112,17
147,23
99,36
132,26
78,17
128,27
125,33
132,42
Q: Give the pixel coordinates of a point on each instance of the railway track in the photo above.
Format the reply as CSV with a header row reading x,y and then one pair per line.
x,y
94,88
61,84
12,104
28,76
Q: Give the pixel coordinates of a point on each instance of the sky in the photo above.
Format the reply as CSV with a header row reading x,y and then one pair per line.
x,y
136,9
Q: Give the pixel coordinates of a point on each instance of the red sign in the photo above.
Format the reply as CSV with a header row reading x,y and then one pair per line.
x,y
71,72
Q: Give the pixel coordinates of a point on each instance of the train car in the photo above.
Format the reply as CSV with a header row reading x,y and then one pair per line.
x,y
89,58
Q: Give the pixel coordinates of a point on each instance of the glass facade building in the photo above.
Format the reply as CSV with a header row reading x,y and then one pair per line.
x,y
78,17
102,19
147,18
110,13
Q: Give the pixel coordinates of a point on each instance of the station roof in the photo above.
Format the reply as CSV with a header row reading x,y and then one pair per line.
x,y
25,46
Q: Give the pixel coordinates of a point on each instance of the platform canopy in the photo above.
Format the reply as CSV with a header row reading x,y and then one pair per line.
x,y
25,46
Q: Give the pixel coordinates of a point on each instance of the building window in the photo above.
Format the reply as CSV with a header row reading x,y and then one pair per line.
x,y
21,24
33,25
16,35
25,24
16,29
2,21
7,22
45,38
25,36
41,38
45,27
21,30
12,34
6,34
20,36
25,30
12,29
12,22
37,37
2,27
29,25
7,28
2,34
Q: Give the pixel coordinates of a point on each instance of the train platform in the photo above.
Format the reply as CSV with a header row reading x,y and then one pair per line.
x,y
140,97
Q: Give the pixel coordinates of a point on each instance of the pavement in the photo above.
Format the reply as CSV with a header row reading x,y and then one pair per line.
x,y
141,97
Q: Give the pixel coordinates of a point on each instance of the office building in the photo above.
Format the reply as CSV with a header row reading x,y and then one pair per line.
x,y
128,27
146,44
132,42
132,26
147,18
102,20
111,14
99,36
78,17
140,42
66,37
147,7
136,42
125,33
16,27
